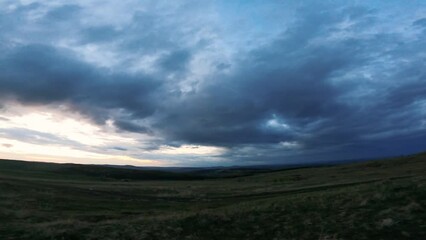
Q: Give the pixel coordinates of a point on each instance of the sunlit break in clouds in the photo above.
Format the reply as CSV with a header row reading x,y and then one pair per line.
x,y
202,83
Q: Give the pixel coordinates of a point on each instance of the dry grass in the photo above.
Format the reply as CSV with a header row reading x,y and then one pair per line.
x,y
377,200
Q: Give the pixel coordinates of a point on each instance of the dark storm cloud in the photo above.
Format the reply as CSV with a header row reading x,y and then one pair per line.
x,y
38,74
292,78
285,78
329,85
130,126
175,61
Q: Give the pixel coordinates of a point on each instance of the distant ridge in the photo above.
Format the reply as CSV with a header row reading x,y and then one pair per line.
x,y
128,172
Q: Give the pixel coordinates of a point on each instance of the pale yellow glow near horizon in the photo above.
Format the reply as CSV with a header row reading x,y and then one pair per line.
x,y
66,126
80,141
22,148
26,151
69,128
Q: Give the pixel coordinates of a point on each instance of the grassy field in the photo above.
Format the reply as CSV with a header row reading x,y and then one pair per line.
x,y
370,200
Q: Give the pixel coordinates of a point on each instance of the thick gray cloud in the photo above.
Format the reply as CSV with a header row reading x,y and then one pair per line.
x,y
175,61
39,74
294,79
130,126
333,81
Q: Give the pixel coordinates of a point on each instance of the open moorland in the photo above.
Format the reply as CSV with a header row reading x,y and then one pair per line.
x,y
382,199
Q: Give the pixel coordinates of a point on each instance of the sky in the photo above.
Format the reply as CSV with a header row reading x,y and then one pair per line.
x,y
208,83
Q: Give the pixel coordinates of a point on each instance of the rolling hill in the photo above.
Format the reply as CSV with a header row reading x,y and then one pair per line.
x,y
383,199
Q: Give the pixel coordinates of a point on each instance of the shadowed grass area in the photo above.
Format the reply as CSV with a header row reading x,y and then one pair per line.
x,y
371,200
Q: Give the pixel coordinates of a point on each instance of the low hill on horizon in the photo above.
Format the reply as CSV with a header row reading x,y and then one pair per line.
x,y
128,172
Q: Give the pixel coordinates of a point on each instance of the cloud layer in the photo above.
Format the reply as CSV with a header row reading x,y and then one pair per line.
x,y
273,82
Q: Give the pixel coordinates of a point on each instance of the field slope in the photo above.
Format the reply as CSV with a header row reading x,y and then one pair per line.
x,y
371,200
